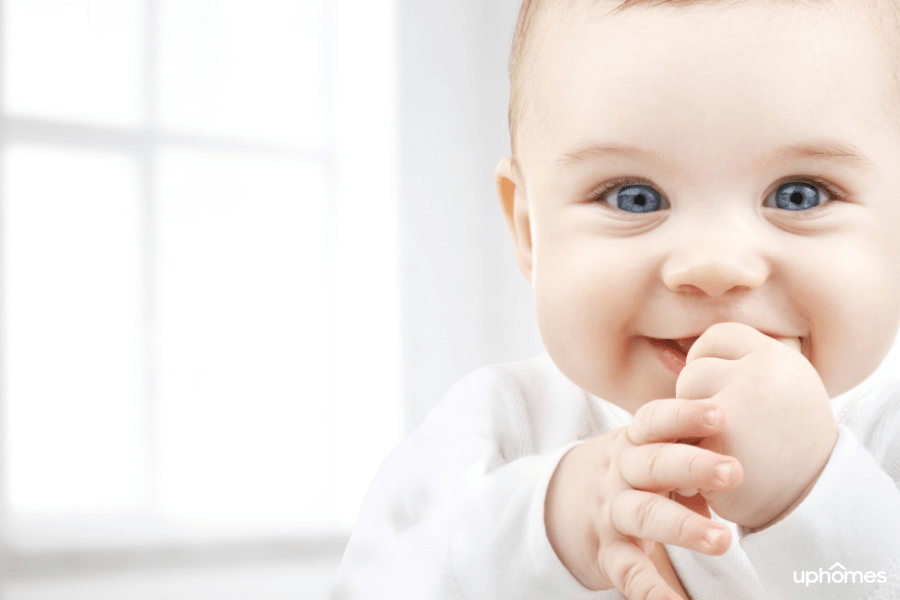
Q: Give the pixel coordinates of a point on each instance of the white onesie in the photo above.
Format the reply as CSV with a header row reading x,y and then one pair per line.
x,y
457,508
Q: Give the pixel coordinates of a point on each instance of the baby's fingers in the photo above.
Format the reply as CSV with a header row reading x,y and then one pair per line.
x,y
667,467
629,569
649,516
672,419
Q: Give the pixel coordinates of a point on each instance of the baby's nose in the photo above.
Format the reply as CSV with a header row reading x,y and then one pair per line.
x,y
714,267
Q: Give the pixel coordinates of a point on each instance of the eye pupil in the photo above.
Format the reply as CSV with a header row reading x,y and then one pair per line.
x,y
640,200
797,198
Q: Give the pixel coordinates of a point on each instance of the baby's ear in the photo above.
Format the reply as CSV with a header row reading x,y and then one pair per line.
x,y
514,205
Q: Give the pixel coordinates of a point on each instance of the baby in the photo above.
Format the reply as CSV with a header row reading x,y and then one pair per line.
x,y
705,197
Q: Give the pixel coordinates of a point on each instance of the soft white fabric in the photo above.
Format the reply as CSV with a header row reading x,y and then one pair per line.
x,y
456,510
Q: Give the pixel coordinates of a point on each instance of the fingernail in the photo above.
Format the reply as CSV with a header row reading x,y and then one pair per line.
x,y
723,471
711,417
712,536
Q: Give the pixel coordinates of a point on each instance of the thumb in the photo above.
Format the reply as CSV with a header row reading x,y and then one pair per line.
x,y
790,342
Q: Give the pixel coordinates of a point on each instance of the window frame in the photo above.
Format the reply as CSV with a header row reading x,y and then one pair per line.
x,y
143,539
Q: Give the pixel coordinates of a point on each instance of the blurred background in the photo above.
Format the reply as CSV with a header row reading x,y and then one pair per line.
x,y
245,247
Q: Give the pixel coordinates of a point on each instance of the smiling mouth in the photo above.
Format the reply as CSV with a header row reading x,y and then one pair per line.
x,y
672,353
683,344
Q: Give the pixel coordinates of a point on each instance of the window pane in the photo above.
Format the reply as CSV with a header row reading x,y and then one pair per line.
x,y
241,293
366,330
241,69
73,60
72,330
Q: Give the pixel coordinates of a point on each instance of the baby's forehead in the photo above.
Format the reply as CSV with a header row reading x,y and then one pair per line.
x,y
567,43
541,19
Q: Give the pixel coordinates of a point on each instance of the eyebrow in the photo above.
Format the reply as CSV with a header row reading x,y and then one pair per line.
x,y
596,151
833,151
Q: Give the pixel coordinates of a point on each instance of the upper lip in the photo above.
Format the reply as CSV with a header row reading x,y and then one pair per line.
x,y
696,335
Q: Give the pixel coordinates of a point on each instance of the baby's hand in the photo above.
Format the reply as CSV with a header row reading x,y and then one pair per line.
x,y
780,424
607,500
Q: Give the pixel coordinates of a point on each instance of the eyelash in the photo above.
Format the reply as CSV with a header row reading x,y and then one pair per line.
x,y
833,192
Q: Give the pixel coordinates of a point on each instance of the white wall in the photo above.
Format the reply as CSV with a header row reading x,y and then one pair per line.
x,y
465,303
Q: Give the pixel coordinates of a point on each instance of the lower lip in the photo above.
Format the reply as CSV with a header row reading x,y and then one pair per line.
x,y
671,357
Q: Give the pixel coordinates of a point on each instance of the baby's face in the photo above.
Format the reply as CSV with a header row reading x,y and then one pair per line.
x,y
689,166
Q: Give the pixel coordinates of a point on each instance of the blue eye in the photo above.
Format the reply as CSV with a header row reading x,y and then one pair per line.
x,y
799,194
796,195
638,199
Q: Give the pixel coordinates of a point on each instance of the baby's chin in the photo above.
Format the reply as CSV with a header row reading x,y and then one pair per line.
x,y
628,380
629,388
638,395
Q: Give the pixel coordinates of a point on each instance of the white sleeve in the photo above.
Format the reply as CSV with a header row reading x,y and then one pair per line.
x,y
842,541
457,510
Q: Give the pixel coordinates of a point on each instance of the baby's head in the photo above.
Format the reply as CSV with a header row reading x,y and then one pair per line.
x,y
681,164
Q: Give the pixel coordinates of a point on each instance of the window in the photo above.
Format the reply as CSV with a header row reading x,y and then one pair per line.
x,y
199,267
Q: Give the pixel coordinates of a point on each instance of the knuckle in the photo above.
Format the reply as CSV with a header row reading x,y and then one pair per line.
x,y
646,419
652,422
634,432
611,517
656,590
655,466
696,464
637,582
683,527
645,512
629,574
683,413
603,564
609,567
644,409
596,575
